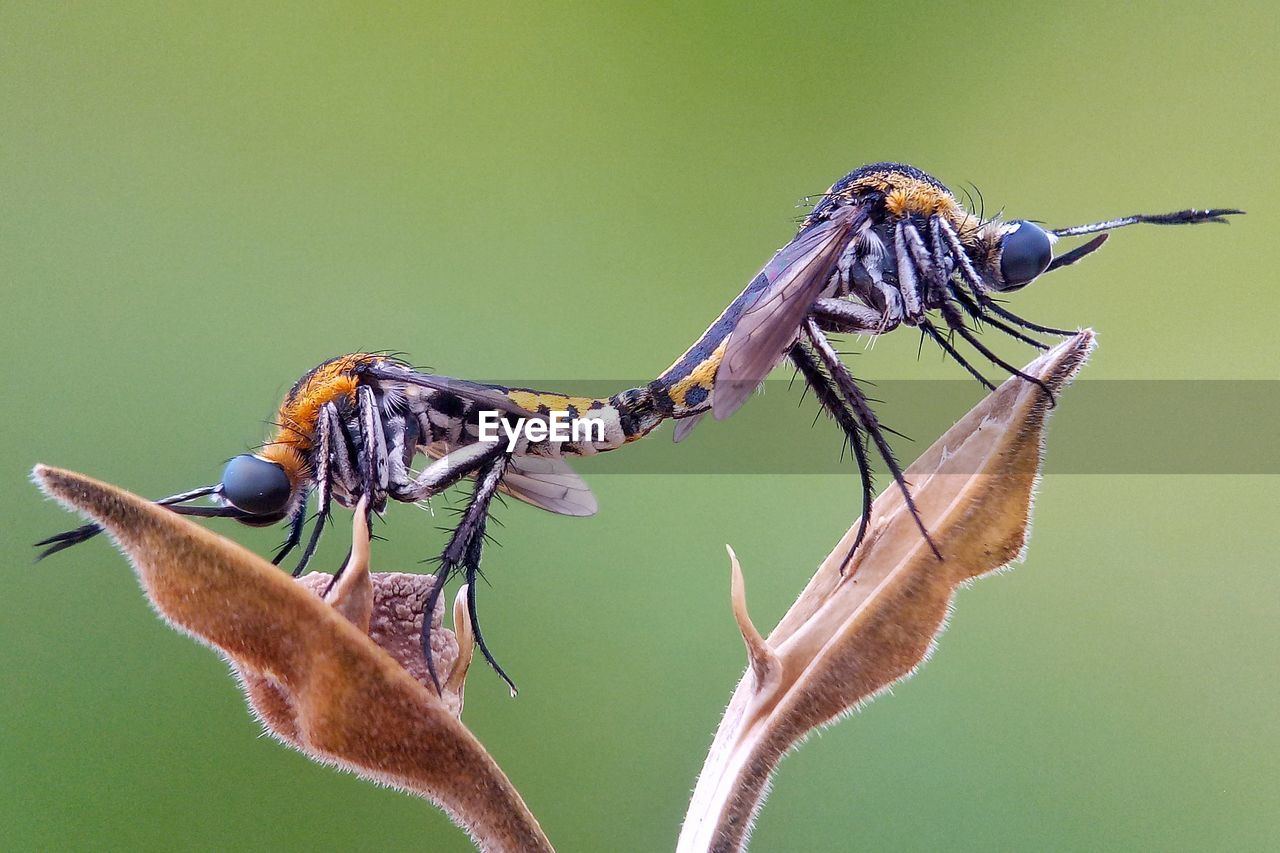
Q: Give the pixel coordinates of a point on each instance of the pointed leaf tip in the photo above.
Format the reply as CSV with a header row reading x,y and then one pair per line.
x,y
455,685
764,663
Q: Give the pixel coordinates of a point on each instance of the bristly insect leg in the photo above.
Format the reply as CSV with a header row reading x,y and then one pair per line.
x,y
444,472
843,317
904,247
920,263
941,340
323,452
371,466
932,268
297,521
981,293
867,417
373,447
978,313
996,308
955,322
828,395
463,552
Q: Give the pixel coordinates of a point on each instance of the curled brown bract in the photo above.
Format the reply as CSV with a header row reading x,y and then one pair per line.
x,y
311,669
849,636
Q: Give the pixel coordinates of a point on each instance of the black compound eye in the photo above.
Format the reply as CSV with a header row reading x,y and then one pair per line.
x,y
255,485
1025,252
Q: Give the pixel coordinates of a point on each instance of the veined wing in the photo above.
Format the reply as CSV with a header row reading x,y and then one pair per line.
x,y
483,395
546,483
685,426
794,278
541,481
549,484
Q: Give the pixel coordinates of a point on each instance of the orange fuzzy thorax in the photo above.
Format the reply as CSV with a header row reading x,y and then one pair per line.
x,y
920,199
905,194
299,414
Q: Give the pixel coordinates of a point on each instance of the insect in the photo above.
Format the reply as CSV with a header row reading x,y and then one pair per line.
x,y
353,426
886,246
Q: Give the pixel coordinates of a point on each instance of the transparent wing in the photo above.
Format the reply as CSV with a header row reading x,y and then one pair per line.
x,y
686,425
546,483
550,484
769,325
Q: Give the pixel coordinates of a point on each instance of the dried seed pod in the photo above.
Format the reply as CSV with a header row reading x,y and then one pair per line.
x,y
851,634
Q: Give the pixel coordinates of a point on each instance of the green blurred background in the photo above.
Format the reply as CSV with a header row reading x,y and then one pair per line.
x,y
200,203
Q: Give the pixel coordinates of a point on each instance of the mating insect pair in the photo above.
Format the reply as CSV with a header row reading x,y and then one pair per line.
x,y
886,246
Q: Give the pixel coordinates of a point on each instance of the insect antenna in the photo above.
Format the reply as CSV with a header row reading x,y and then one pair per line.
x,y
85,532
1178,217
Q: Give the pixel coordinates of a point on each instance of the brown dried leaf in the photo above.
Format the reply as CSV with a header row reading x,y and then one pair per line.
x,y
850,636
312,673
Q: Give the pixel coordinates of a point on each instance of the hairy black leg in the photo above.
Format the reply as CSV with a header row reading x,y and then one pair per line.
x,y
861,408
906,278
955,322
978,313
938,231
472,570
297,521
828,395
462,553
904,251
943,235
945,243
444,472
845,317
925,267
371,468
941,340
373,452
321,455
981,293
938,256
996,308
